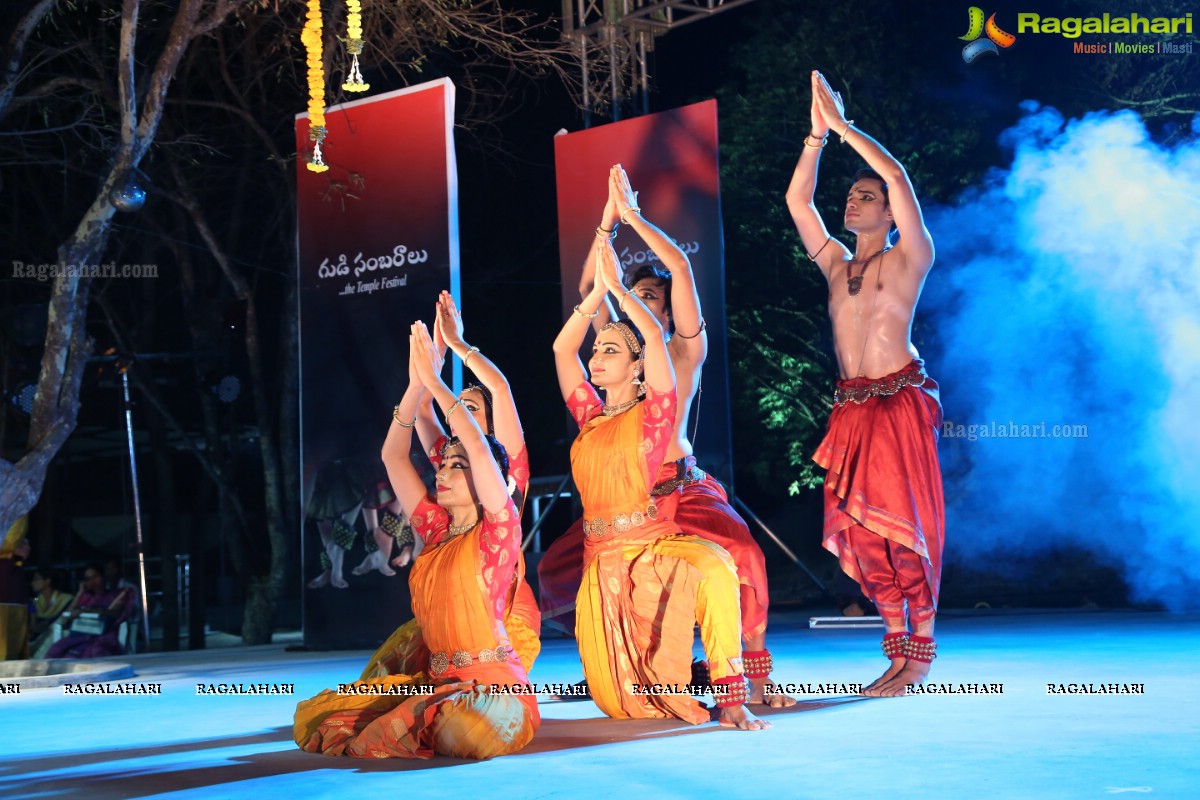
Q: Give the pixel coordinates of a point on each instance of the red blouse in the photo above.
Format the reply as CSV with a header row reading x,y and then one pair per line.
x,y
499,545
658,424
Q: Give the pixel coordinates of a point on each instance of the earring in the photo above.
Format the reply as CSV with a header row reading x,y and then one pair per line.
x,y
637,379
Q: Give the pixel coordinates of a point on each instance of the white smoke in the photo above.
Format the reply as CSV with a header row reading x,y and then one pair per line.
x,y
1067,290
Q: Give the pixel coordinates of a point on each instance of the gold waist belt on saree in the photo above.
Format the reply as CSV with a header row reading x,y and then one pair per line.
x,y
600,527
440,662
884,387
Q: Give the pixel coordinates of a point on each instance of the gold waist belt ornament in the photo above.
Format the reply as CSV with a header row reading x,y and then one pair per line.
x,y
599,527
440,662
882,388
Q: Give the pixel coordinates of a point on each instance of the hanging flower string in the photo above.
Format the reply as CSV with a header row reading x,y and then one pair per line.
x,y
354,44
311,37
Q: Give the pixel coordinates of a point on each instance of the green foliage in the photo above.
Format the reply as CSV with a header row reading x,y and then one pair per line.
x,y
780,346
1164,90
899,69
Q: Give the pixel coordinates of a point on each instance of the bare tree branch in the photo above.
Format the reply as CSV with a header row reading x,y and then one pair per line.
x,y
51,86
15,51
126,90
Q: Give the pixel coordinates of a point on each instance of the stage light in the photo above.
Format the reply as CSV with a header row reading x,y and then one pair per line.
x,y
129,197
22,399
227,389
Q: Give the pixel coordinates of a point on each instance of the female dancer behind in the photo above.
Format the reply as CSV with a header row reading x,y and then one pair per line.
x,y
459,587
644,584
491,403
489,400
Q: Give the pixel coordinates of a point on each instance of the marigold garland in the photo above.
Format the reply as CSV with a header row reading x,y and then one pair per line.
x,y
354,45
311,37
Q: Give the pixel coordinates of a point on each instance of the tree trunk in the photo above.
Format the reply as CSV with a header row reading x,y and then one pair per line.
x,y
289,406
67,347
264,590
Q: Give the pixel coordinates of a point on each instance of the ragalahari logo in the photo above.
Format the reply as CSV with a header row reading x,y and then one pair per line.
x,y
976,28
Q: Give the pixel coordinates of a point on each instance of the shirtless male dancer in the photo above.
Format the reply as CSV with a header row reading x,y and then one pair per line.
x,y
884,511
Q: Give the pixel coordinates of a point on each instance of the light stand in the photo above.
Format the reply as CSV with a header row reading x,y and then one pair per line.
x,y
123,367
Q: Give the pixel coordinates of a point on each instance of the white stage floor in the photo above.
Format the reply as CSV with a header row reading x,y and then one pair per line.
x,y
1023,743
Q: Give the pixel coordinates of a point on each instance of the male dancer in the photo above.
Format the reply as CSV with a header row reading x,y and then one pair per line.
x,y
884,512
683,492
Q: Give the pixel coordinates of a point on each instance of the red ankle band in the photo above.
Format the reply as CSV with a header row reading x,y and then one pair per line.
x,y
894,645
731,691
757,663
920,648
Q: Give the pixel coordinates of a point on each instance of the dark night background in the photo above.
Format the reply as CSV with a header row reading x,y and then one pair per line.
x,y
898,64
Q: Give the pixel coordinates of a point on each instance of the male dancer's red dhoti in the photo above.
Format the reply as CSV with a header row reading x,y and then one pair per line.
x,y
700,507
884,510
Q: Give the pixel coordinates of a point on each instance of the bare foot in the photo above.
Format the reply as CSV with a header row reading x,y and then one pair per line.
x,y
336,556
404,556
383,542
767,692
894,669
914,672
319,581
374,561
740,717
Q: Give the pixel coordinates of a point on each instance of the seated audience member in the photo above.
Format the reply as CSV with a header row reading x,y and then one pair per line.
x,y
48,604
14,594
93,619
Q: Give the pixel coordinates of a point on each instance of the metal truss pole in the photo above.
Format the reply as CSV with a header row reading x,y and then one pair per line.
x,y
614,39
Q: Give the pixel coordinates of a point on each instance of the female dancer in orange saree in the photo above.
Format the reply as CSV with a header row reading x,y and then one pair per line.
x,y
682,491
459,586
645,585
491,403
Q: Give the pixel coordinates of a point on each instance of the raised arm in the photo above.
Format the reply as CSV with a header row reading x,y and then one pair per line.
x,y
117,607
610,219
818,243
570,339
915,244
406,483
587,282
504,408
429,428
659,373
71,610
489,483
685,299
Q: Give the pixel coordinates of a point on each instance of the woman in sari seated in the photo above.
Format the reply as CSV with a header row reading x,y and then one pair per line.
x,y
472,698
490,402
645,584
94,619
47,606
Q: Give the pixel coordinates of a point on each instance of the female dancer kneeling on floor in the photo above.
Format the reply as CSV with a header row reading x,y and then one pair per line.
x,y
459,587
645,585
